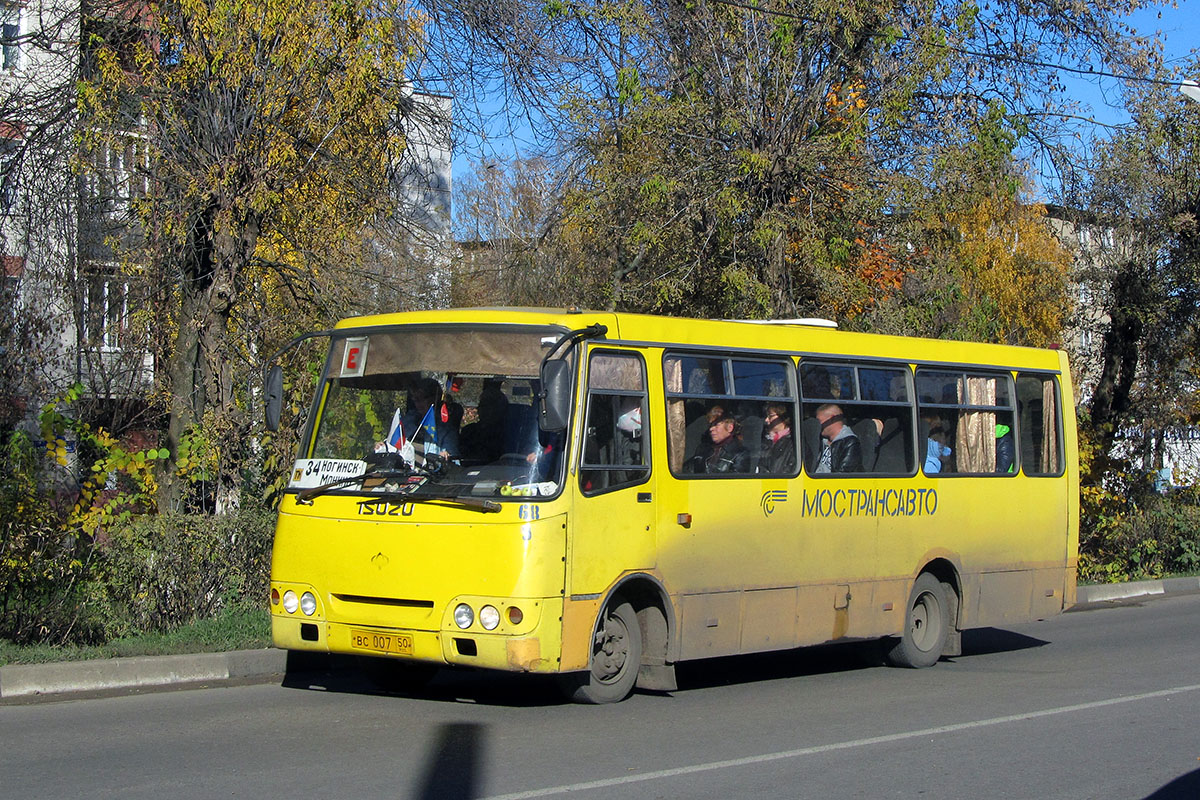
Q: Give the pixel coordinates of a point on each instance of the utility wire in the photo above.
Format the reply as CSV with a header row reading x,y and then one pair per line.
x,y
973,53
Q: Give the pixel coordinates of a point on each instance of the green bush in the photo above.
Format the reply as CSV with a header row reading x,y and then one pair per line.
x,y
1156,537
159,572
42,562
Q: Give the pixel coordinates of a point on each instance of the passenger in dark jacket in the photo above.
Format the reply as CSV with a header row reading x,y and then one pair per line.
x,y
842,451
779,448
727,454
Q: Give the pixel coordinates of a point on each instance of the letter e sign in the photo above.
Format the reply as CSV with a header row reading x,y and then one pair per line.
x,y
354,361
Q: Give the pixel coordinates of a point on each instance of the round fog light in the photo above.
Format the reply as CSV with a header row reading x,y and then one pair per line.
x,y
274,597
463,616
489,618
514,615
308,604
290,602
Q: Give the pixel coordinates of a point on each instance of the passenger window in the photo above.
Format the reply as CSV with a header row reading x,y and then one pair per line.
x,y
702,377
729,416
967,424
1039,414
857,419
615,451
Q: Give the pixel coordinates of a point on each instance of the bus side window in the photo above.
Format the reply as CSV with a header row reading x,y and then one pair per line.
x,y
732,394
970,415
1037,402
614,445
873,401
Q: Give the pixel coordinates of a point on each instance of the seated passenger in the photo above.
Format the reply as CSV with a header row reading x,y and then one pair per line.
x,y
936,451
426,397
426,418
1006,449
705,443
779,448
726,455
483,441
841,450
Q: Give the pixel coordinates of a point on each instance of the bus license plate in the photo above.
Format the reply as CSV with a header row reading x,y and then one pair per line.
x,y
401,643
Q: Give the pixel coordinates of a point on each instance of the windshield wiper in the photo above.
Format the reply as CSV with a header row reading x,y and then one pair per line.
x,y
477,503
305,496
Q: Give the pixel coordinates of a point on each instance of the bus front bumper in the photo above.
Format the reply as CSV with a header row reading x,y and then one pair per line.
x,y
537,650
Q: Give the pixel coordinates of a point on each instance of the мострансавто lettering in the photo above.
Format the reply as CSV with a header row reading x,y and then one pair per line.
x,y
869,503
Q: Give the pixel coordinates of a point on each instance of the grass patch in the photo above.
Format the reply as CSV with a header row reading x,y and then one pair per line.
x,y
236,630
1190,574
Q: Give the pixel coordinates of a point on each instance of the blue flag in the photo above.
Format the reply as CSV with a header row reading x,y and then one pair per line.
x,y
428,430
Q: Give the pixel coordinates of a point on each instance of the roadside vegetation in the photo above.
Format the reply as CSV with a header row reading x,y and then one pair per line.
x,y
232,630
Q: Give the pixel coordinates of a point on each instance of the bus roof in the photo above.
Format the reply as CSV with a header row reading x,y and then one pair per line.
x,y
804,337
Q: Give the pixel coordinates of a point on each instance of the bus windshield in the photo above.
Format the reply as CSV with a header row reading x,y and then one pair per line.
x,y
449,412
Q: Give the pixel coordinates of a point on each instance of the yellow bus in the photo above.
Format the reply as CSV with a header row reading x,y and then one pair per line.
x,y
604,495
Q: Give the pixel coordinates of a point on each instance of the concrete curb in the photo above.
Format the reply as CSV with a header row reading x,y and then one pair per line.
x,y
1101,592
24,680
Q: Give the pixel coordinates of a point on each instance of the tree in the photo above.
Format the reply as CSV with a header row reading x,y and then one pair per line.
x,y
503,211
973,258
761,159
273,131
1143,275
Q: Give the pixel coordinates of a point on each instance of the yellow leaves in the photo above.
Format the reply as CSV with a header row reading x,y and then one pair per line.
x,y
58,451
844,99
1014,266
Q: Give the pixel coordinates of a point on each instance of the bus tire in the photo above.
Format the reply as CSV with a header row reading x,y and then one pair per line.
x,y
615,660
926,625
394,676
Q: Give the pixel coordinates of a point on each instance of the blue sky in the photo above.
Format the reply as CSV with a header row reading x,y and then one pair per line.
x,y
1177,28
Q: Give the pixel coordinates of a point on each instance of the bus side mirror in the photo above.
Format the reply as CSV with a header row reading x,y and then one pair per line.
x,y
273,390
556,395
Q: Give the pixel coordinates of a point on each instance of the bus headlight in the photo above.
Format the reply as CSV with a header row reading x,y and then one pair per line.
x,y
463,616
489,618
308,604
290,602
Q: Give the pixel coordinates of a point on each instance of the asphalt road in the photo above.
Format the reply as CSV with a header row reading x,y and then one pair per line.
x,y
1099,703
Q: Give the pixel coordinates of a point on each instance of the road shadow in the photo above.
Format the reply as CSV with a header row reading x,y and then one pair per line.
x,y
1185,787
343,674
985,641
340,673
752,668
453,767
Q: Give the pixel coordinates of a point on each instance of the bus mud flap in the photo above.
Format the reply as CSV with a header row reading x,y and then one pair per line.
x,y
657,677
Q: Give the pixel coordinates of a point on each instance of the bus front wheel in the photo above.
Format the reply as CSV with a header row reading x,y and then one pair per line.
x,y
926,625
615,659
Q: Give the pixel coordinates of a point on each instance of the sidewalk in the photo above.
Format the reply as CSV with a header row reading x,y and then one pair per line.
x,y
63,677
1101,592
25,680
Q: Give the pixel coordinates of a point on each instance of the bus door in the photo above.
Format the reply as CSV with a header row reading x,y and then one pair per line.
x,y
728,512
612,527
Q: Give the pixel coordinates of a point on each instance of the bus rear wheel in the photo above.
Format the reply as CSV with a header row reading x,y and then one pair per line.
x,y
926,625
615,659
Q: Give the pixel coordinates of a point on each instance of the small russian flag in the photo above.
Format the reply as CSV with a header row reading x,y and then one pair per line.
x,y
395,438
